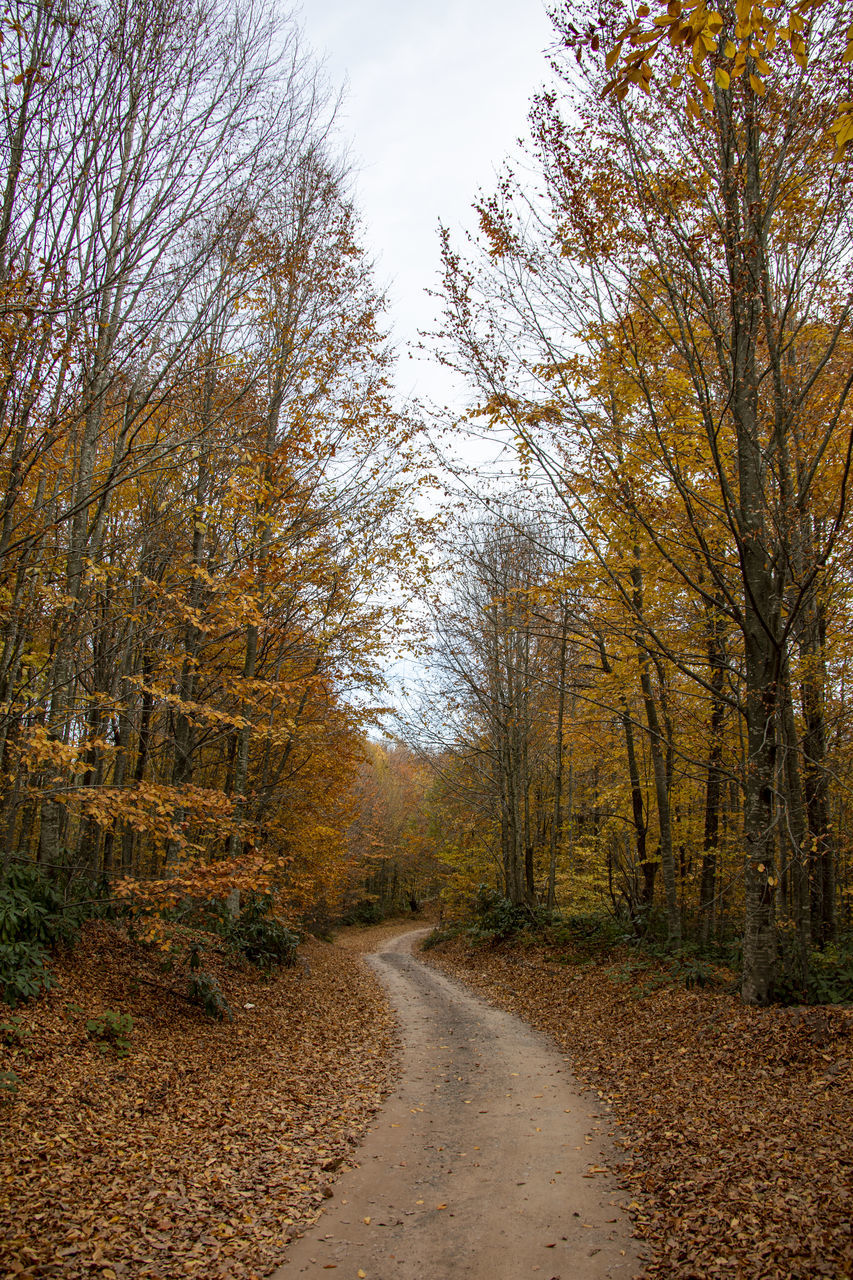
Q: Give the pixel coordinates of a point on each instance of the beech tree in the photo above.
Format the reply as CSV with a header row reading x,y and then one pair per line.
x,y
501,652
204,479
663,324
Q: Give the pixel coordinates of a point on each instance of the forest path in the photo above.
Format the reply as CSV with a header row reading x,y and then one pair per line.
x,y
478,1165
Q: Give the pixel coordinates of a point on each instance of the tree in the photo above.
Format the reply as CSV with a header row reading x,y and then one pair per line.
x,y
204,479
662,324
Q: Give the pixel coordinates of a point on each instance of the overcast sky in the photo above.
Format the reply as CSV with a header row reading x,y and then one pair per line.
x,y
436,93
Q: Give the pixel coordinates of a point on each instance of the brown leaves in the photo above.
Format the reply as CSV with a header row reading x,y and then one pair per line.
x,y
737,1122
210,1145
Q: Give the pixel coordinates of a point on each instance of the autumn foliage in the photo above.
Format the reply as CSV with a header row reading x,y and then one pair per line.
x,y
202,474
655,317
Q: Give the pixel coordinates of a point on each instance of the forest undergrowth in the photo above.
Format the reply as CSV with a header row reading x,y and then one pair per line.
x,y
141,1138
735,1121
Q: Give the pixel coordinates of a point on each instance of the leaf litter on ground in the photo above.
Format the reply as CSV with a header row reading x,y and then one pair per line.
x,y
210,1145
737,1122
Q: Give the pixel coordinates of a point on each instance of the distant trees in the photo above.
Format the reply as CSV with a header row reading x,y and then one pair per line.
x,y
663,324
392,839
202,474
500,666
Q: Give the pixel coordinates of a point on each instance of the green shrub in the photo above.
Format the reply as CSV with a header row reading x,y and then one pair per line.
x,y
442,933
34,917
111,1031
256,934
14,1035
496,919
9,1081
830,972
205,991
589,932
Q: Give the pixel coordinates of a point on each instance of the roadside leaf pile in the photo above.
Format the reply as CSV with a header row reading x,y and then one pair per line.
x,y
206,1146
737,1121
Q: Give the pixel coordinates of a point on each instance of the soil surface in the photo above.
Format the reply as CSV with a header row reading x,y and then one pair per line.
x,y
485,1162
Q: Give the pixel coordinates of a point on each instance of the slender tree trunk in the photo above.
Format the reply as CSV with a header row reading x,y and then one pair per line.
x,y
794,816
821,851
746,260
557,819
656,748
714,778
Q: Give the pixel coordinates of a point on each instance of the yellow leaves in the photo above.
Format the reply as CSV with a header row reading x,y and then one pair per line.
x,y
721,78
613,57
842,127
702,33
700,50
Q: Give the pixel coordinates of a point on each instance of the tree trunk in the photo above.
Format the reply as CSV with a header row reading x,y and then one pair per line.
x,y
714,779
656,747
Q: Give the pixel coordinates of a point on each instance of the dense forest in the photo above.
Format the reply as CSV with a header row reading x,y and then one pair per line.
x,y
213,534
294,668
647,652
204,479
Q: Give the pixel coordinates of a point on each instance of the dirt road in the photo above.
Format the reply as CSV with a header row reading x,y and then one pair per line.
x,y
480,1164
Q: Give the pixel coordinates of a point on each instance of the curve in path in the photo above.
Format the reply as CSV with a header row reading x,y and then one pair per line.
x,y
479,1164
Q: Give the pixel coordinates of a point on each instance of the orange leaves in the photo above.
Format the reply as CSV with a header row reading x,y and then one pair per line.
x,y
42,748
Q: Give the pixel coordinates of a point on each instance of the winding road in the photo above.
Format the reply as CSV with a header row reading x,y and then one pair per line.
x,y
485,1162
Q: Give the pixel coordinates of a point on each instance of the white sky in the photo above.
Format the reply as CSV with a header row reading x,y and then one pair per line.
x,y
436,94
